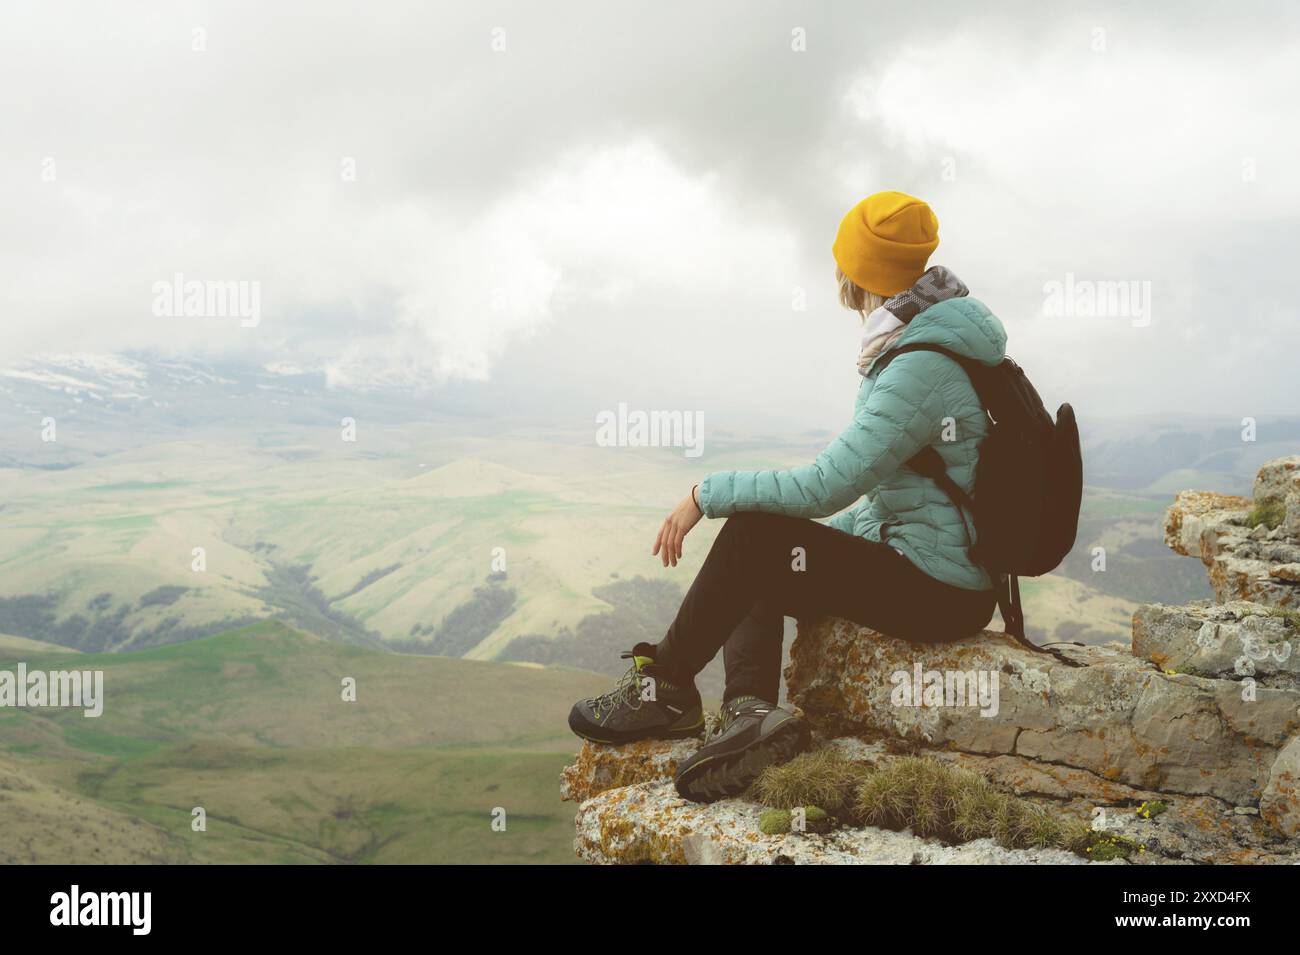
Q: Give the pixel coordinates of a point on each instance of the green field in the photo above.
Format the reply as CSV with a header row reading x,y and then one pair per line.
x,y
353,545
250,725
383,547
223,681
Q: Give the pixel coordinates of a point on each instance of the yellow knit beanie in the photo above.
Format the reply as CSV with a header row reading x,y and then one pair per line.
x,y
884,242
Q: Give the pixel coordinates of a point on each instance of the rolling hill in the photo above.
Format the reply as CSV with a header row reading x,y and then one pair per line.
x,y
395,538
212,539
251,726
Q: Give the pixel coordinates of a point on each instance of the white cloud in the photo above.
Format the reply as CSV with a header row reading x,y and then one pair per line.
x,y
598,231
620,200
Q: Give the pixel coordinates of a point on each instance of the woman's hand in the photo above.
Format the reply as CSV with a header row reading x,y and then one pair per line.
x,y
668,545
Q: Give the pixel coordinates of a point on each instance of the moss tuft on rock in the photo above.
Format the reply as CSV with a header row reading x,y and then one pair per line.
x,y
1153,808
778,822
1105,847
817,819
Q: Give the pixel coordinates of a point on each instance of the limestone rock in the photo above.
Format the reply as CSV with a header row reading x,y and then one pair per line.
x,y
648,822
1194,514
1228,641
1278,482
1115,716
1280,804
1199,829
1261,563
599,767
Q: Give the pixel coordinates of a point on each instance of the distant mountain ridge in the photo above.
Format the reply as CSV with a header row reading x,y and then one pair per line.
x,y
1139,455
113,400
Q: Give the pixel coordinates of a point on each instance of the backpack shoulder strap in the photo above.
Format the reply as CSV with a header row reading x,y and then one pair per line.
x,y
883,361
927,461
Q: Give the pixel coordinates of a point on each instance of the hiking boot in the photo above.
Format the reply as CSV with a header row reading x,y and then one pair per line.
x,y
750,736
646,704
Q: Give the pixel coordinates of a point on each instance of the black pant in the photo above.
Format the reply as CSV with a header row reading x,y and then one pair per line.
x,y
751,580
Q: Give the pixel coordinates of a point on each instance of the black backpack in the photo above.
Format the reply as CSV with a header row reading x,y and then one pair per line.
x,y
1028,481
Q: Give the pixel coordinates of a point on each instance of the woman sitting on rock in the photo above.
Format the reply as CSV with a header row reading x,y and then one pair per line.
x,y
897,562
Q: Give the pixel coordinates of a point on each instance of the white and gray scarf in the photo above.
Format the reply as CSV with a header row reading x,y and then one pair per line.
x,y
885,325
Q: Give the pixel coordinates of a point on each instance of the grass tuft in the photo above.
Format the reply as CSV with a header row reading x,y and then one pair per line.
x,y
940,801
1290,618
935,800
822,777
1270,513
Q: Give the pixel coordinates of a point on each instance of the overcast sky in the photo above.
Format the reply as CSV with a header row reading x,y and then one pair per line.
x,y
569,205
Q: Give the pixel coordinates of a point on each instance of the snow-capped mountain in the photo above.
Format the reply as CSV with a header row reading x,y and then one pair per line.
x,y
99,403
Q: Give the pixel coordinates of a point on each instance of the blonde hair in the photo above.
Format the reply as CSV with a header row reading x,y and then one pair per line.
x,y
853,296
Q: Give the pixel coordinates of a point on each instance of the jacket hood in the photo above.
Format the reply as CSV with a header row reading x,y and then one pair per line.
x,y
963,325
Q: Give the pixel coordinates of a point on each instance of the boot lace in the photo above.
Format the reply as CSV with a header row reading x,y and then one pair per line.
x,y
727,715
626,693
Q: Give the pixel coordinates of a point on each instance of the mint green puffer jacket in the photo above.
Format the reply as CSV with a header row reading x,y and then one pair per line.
x,y
898,412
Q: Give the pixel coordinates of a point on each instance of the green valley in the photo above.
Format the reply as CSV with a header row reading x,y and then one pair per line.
x,y
251,726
